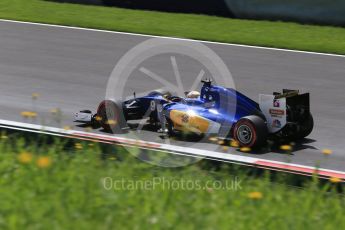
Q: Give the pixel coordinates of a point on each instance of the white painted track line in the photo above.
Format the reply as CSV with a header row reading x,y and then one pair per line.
x,y
175,38
186,151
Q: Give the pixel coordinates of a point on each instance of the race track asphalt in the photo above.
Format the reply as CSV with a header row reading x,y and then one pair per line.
x,y
70,68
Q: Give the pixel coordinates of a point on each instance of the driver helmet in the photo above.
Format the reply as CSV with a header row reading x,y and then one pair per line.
x,y
193,94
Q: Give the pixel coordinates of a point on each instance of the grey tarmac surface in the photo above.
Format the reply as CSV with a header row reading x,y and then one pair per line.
x,y
69,68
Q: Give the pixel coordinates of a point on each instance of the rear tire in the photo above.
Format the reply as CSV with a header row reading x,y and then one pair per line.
x,y
250,131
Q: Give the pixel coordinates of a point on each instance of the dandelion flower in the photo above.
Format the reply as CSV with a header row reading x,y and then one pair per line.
x,y
335,180
3,137
66,127
255,195
98,118
286,147
111,122
234,144
327,151
28,114
225,148
54,111
78,146
25,157
34,96
245,149
43,162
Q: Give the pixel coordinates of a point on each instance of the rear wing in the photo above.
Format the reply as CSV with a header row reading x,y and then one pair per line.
x,y
281,108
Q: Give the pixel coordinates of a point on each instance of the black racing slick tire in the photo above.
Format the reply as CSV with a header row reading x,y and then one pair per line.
x,y
110,116
250,131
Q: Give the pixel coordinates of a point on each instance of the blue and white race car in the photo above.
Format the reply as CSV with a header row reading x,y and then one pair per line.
x,y
215,110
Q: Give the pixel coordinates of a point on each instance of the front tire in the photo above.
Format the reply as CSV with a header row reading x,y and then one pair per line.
x,y
110,116
250,131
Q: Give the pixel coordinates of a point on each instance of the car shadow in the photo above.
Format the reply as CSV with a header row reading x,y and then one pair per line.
x,y
272,146
99,128
275,146
87,125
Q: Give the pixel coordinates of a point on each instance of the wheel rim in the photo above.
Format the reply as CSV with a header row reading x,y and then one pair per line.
x,y
244,134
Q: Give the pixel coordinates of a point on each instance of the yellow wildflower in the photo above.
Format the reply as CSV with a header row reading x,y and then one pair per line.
x,y
111,122
225,148
43,162
245,149
28,114
78,146
327,151
34,96
25,157
234,144
286,147
335,180
54,111
255,195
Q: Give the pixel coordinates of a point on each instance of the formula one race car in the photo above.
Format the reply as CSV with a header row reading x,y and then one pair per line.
x,y
215,110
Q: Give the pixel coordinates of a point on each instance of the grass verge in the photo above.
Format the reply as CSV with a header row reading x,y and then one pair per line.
x,y
261,33
63,185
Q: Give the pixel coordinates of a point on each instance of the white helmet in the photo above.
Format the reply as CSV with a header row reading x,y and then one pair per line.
x,y
193,94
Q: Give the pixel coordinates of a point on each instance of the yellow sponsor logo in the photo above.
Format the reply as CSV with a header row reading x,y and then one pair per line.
x,y
185,121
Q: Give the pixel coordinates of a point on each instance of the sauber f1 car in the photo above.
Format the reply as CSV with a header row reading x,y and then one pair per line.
x,y
215,110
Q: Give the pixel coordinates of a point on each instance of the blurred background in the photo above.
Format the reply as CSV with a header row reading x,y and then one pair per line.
x,y
304,11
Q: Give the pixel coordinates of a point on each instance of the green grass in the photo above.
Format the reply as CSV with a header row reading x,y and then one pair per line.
x,y
261,33
70,193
